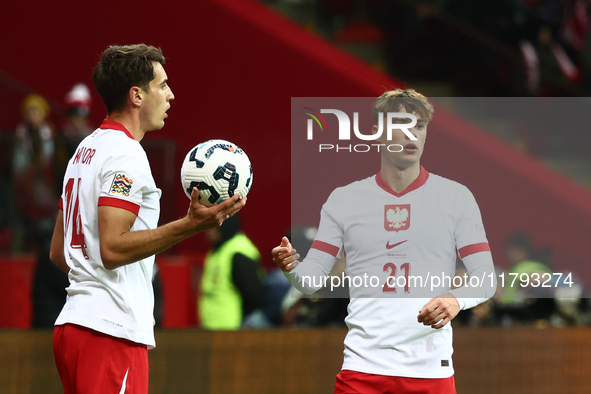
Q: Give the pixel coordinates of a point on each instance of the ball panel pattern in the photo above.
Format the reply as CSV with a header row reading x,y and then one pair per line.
x,y
219,169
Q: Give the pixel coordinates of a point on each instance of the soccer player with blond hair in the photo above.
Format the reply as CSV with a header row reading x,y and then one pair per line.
x,y
410,224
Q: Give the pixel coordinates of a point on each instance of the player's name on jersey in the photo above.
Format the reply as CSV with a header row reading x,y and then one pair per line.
x,y
84,155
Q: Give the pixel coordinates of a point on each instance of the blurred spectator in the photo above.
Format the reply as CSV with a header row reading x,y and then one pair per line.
x,y
36,202
74,129
277,298
552,44
520,303
572,302
32,166
49,282
325,308
516,47
231,288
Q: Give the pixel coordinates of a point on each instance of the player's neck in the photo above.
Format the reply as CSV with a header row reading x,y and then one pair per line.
x,y
130,121
399,179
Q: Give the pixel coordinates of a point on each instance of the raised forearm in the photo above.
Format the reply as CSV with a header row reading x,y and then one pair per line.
x,y
120,245
132,246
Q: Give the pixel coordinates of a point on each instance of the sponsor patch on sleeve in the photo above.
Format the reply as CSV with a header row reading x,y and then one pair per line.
x,y
121,185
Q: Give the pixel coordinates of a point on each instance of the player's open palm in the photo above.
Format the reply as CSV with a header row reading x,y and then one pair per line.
x,y
439,311
285,256
203,217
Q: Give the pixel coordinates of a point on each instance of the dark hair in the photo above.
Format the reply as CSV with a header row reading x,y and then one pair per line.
x,y
121,68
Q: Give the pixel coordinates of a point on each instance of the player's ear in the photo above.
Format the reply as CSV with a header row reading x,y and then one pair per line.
x,y
374,129
136,96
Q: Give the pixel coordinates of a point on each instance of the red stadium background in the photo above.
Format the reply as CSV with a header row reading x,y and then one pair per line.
x,y
233,66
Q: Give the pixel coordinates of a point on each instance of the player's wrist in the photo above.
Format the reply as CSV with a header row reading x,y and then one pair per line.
x,y
454,300
187,226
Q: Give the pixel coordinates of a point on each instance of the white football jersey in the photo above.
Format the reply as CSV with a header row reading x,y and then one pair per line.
x,y
109,168
388,238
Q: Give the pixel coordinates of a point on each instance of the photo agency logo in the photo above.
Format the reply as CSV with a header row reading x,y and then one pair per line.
x,y
401,121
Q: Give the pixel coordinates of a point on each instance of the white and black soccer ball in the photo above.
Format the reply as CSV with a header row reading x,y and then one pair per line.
x,y
218,168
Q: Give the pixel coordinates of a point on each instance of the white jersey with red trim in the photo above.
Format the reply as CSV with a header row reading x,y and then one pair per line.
x,y
109,168
388,238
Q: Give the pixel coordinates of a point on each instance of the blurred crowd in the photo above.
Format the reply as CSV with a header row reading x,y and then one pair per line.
x,y
481,48
34,159
558,299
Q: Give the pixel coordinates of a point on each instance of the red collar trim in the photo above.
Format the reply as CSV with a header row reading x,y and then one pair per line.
x,y
420,181
112,125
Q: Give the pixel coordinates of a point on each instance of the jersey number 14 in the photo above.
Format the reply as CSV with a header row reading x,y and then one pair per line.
x,y
73,216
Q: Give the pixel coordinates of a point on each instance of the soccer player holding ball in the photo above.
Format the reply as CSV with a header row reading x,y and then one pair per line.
x,y
402,221
106,233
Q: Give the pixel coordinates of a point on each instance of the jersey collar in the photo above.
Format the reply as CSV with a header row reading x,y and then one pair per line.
x,y
420,181
112,125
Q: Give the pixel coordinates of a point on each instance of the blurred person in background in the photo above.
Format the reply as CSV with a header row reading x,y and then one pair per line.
x,y
36,199
328,306
49,282
519,304
74,129
573,307
552,42
32,168
231,286
277,297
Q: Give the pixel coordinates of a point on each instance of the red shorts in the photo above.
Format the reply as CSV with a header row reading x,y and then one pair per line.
x,y
353,382
90,362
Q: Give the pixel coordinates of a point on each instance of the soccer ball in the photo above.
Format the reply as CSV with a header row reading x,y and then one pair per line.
x,y
218,169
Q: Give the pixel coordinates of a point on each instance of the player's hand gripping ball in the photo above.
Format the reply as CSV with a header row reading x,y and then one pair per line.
x,y
218,169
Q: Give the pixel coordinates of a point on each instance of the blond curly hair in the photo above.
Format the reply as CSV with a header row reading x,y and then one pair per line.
x,y
409,99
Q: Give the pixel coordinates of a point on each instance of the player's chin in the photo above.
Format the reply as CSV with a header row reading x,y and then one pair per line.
x,y
156,125
160,125
403,160
411,157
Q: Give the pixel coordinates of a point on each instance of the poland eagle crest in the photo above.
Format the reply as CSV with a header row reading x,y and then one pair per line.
x,y
397,217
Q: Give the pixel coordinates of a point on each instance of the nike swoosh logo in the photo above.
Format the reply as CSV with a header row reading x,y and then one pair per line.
x,y
388,246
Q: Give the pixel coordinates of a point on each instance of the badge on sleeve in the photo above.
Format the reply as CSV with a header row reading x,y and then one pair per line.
x,y
121,185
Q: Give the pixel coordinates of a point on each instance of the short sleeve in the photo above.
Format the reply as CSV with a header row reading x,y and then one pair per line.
x,y
469,231
124,179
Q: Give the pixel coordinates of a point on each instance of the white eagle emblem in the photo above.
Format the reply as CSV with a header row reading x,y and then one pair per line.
x,y
396,217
